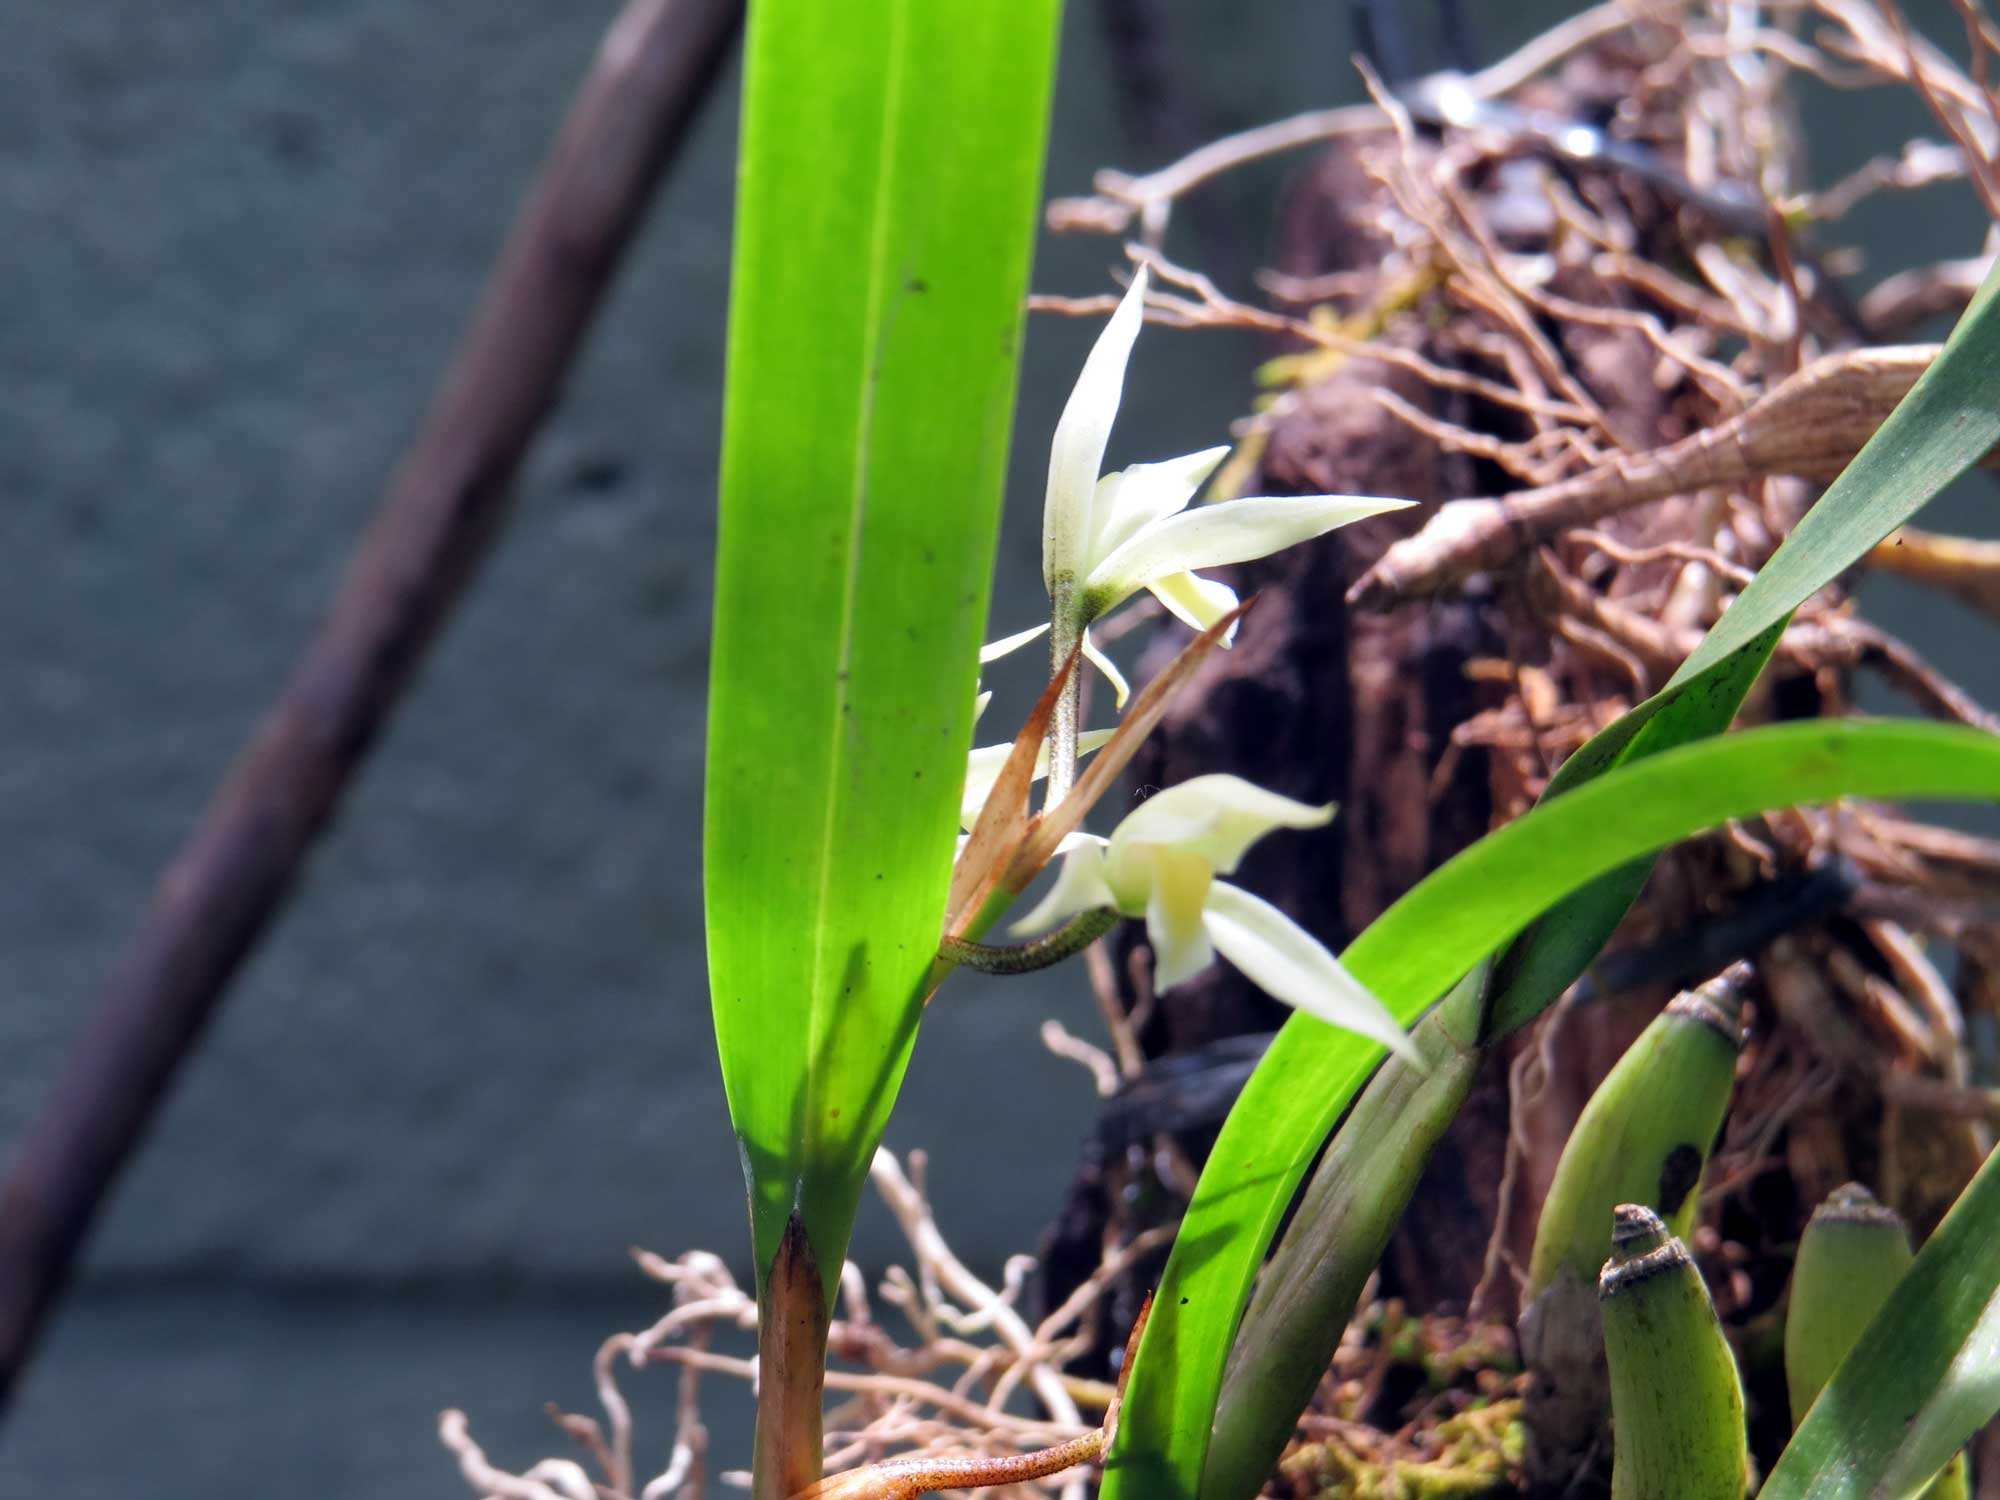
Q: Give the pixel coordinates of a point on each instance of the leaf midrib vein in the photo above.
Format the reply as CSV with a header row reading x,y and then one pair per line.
x,y
857,511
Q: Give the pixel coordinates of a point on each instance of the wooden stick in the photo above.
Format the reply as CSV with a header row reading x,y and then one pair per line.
x,y
214,900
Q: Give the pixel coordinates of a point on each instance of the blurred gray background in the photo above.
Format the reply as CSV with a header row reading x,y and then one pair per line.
x,y
472,1063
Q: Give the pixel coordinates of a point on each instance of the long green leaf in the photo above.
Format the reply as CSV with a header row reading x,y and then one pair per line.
x,y
1950,419
890,173
1921,1380
1419,946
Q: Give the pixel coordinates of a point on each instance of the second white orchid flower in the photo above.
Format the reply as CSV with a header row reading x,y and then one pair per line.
x,y
1161,863
1106,537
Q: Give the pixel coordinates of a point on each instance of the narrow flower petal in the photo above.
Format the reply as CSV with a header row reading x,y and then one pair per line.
x,y
1174,926
1288,963
1120,688
982,769
1077,454
984,765
1230,531
1217,817
1195,601
1131,499
1079,887
992,651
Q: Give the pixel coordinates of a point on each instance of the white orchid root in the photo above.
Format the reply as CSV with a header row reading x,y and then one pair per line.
x,y
941,1393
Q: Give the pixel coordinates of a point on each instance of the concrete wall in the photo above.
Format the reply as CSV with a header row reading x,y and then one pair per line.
x,y
472,1064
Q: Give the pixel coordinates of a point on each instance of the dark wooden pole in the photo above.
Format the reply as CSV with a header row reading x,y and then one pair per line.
x,y
447,499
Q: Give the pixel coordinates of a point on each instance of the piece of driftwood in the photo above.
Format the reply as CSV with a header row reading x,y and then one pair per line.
x,y
1433,267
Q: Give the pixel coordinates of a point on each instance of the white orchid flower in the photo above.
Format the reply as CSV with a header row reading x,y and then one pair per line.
x,y
1007,645
1161,863
1105,538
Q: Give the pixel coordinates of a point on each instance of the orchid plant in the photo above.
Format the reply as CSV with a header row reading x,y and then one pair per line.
x,y
842,703
1105,538
824,941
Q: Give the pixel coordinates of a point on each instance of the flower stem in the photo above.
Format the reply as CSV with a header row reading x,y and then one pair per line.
x,y
1075,935
1065,632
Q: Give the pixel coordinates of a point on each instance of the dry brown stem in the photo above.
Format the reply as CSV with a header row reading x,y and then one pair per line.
x,y
1208,307
1897,304
1810,425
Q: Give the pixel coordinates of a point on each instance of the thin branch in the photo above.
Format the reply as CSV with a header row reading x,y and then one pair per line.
x,y
1120,198
1920,164
433,526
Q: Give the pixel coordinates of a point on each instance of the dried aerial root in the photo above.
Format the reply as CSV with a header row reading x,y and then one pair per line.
x,y
1647,651
907,1478
1121,198
943,1394
706,1297
1809,426
1494,324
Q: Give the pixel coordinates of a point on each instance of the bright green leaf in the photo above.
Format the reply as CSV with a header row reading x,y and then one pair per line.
x,y
887,203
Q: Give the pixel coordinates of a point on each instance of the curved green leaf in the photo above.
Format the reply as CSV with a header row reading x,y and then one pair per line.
x,y
1411,954
881,261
